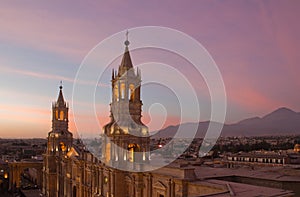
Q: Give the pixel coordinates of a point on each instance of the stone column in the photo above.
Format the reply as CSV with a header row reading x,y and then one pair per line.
x,y
11,177
17,178
179,188
139,185
149,185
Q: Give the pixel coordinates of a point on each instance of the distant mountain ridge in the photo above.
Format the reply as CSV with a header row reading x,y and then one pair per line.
x,y
279,122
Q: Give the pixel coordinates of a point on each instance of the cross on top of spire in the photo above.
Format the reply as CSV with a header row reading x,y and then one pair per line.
x,y
126,60
126,41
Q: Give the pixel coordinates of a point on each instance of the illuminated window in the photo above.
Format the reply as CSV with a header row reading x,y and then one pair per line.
x,y
132,148
144,156
131,153
61,115
63,146
131,88
122,90
56,114
144,131
107,152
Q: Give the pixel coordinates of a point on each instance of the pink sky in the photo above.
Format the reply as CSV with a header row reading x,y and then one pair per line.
x,y
256,45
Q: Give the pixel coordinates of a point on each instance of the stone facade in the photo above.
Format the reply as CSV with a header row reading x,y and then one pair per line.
x,y
85,176
69,170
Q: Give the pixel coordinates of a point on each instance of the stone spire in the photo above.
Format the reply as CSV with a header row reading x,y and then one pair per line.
x,y
60,99
126,62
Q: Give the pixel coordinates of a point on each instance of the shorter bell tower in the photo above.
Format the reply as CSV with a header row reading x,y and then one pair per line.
x,y
59,139
59,142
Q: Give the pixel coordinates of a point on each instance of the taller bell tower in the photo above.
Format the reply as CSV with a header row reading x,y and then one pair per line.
x,y
126,137
59,142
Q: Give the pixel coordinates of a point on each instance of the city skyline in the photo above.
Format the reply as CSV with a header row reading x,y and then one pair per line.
x,y
42,45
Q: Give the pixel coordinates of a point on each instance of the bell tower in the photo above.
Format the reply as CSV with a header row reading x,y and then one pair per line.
x,y
126,137
59,142
59,139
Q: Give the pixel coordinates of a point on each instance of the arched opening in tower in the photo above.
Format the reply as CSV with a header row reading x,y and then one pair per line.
x,y
61,115
131,88
132,149
122,90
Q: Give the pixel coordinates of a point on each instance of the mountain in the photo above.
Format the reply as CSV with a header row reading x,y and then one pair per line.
x,y
278,122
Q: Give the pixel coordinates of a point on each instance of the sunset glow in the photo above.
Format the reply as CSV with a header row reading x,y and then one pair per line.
x,y
255,44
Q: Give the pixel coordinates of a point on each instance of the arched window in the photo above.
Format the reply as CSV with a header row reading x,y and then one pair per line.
x,y
61,115
122,90
116,92
131,88
56,114
63,146
74,191
132,148
131,152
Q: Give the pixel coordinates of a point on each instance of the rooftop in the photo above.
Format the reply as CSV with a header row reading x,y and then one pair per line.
x,y
274,173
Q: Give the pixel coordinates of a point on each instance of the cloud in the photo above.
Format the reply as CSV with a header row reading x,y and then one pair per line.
x,y
49,76
254,43
36,27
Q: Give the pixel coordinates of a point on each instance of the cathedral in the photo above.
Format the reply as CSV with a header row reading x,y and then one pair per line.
x,y
70,170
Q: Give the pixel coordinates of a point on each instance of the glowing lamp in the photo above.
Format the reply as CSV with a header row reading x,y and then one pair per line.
x,y
105,179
